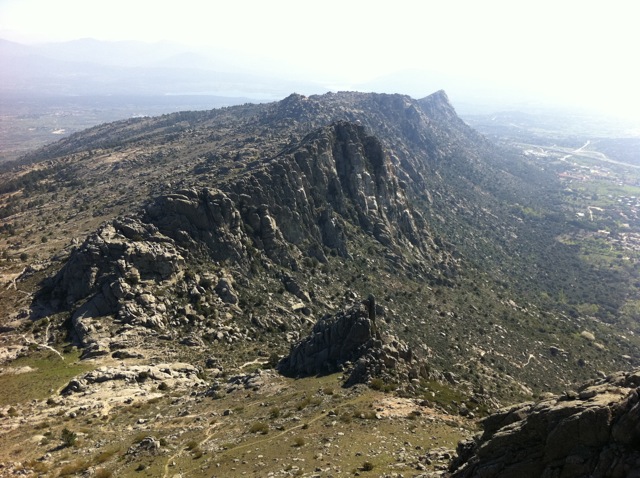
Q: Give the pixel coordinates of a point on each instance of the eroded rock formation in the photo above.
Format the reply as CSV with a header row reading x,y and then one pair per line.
x,y
351,340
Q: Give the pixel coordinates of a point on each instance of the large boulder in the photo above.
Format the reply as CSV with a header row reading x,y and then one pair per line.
x,y
351,340
333,341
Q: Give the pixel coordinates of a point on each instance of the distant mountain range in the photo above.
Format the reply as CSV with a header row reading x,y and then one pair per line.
x,y
92,67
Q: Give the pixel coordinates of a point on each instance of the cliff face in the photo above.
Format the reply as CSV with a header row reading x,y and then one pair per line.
x,y
298,204
337,174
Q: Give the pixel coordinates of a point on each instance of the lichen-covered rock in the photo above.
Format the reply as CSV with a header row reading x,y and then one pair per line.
x,y
594,432
148,445
226,292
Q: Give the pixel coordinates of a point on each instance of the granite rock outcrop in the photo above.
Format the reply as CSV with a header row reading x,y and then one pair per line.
x,y
594,432
351,341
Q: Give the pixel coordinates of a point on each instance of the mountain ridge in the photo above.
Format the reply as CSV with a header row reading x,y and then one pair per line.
x,y
177,253
309,177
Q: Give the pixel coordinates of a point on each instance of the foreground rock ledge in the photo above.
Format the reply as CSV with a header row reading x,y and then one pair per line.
x,y
593,432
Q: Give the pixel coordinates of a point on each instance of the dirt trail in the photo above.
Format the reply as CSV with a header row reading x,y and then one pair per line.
x,y
253,362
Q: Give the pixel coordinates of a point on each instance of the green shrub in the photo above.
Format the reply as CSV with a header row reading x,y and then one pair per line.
x,y
305,402
68,437
105,456
367,466
37,466
73,468
302,404
259,427
191,445
103,473
413,414
274,359
345,418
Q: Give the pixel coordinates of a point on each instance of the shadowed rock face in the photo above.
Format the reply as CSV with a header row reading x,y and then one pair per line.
x,y
351,340
333,341
594,432
205,216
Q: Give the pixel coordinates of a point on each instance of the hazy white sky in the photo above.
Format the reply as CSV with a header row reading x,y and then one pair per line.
x,y
576,52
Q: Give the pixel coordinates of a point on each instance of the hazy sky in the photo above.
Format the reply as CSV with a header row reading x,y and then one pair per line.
x,y
575,52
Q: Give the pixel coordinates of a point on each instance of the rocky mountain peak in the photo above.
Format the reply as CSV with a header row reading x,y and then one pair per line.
x,y
293,99
437,103
438,107
296,107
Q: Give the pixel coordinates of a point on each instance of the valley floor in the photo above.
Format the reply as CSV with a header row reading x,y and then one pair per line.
x,y
255,424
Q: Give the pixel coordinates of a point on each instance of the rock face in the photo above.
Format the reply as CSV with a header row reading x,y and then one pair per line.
x,y
102,278
594,432
200,217
351,339
280,211
309,194
334,340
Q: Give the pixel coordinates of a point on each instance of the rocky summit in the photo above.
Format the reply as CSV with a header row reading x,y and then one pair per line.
x,y
319,286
